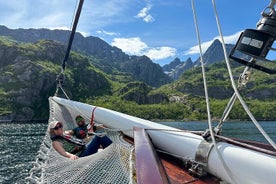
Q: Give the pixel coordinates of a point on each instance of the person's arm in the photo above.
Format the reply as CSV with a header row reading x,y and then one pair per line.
x,y
59,148
71,132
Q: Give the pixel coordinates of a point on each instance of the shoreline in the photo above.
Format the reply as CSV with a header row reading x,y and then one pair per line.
x,y
25,121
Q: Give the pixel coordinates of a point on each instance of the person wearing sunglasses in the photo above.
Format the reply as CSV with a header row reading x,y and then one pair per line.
x,y
71,147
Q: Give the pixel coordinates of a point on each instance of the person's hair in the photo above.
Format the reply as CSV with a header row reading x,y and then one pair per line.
x,y
52,132
78,117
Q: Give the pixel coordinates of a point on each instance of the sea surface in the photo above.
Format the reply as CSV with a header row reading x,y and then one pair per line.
x,y
19,143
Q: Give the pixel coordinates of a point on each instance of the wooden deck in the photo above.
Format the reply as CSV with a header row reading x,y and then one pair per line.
x,y
178,174
153,167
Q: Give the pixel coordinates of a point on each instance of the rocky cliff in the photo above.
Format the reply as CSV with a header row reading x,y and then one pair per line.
x,y
140,93
28,73
109,58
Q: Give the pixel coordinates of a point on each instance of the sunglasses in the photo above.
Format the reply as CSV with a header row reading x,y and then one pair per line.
x,y
58,127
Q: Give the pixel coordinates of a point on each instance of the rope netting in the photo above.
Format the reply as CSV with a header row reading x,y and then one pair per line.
x,y
110,165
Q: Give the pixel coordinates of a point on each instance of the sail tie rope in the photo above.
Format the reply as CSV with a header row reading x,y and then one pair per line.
x,y
92,120
235,88
77,109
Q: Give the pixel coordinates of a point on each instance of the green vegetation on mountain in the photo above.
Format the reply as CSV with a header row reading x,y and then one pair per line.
x,y
184,99
28,73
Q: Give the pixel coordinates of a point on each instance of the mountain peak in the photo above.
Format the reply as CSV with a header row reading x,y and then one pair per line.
x,y
214,53
171,65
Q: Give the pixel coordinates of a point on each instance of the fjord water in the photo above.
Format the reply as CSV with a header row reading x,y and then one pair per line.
x,y
19,143
242,130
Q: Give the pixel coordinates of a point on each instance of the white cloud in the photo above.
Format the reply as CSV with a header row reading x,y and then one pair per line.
x,y
144,14
54,19
195,49
231,39
148,18
59,28
103,32
36,14
135,46
161,53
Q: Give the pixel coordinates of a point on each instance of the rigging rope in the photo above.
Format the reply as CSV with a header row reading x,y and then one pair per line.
x,y
72,34
60,77
243,79
228,171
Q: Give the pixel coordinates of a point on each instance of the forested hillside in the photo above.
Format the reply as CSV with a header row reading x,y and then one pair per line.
x,y
28,74
184,99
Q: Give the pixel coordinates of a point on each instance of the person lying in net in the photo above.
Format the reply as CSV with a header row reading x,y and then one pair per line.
x,y
71,147
81,130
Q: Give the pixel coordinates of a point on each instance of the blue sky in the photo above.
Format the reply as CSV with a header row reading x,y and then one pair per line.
x,y
159,29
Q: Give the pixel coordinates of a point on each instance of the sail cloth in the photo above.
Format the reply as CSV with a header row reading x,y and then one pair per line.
x,y
114,164
111,165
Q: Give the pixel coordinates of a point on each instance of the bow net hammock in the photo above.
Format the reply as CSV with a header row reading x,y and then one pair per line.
x,y
111,165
